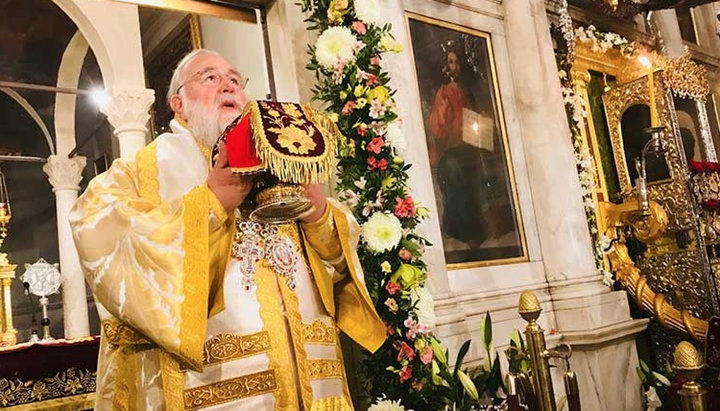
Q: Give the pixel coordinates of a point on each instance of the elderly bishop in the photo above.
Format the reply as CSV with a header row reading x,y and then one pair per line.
x,y
200,312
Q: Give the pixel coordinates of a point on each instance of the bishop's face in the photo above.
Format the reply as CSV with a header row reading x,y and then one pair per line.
x,y
211,95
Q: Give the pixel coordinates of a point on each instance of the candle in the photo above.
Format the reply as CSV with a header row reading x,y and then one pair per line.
x,y
654,122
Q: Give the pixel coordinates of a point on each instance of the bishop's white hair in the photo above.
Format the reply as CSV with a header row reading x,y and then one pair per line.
x,y
178,74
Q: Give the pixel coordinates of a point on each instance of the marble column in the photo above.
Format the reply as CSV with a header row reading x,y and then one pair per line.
x,y
668,29
127,112
595,321
65,175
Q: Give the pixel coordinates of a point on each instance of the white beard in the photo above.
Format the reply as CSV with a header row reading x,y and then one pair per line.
x,y
205,122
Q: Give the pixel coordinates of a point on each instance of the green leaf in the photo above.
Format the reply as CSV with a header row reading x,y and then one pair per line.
x,y
438,351
461,355
468,385
644,367
661,378
641,375
486,331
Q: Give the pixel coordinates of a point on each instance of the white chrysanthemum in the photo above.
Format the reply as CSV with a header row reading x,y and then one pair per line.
x,y
336,44
425,308
384,404
382,232
368,11
395,137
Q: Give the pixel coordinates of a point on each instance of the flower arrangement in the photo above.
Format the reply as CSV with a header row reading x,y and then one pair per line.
x,y
654,385
411,369
602,42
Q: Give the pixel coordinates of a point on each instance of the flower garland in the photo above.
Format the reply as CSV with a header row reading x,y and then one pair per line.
x,y
411,367
577,113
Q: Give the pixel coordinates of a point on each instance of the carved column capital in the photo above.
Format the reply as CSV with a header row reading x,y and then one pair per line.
x,y
64,173
128,109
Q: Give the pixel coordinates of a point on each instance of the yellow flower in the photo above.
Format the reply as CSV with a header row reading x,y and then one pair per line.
x,y
422,212
385,267
380,92
359,90
333,117
391,304
387,182
294,140
468,385
388,43
343,95
361,102
420,344
408,275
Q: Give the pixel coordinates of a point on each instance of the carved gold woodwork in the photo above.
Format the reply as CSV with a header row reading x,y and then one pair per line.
x,y
630,276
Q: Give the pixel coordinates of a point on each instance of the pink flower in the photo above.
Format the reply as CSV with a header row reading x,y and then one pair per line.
x,y
375,60
371,80
405,254
414,328
405,351
375,145
405,373
392,287
372,163
382,164
348,108
362,130
404,207
359,27
427,355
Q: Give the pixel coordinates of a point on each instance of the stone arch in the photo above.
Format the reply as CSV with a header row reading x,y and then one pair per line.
x,y
112,30
32,113
68,77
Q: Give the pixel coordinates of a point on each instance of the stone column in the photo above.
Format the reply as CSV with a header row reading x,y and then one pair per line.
x,y
595,321
65,174
668,29
128,113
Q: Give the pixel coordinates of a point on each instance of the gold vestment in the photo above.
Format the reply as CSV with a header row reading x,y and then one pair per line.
x,y
181,331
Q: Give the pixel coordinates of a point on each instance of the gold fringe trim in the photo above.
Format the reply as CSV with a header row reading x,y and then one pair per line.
x,y
148,184
296,169
124,390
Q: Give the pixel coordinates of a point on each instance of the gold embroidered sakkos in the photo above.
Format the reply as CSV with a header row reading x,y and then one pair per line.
x,y
225,347
230,390
319,333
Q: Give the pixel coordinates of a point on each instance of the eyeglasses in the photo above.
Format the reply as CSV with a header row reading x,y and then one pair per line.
x,y
213,78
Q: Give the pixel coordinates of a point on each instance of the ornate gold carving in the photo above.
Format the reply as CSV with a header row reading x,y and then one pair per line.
x,y
687,356
529,306
226,347
319,333
323,369
636,283
672,194
72,381
118,333
685,77
230,390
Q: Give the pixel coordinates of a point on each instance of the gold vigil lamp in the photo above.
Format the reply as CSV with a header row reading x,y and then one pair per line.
x,y
533,390
283,146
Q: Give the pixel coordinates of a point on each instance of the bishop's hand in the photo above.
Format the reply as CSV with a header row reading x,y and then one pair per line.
x,y
229,188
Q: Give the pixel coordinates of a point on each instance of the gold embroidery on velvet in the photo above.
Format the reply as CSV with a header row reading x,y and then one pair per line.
x,y
73,381
225,347
173,381
322,369
193,310
274,323
230,390
148,183
117,333
332,404
319,333
292,308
